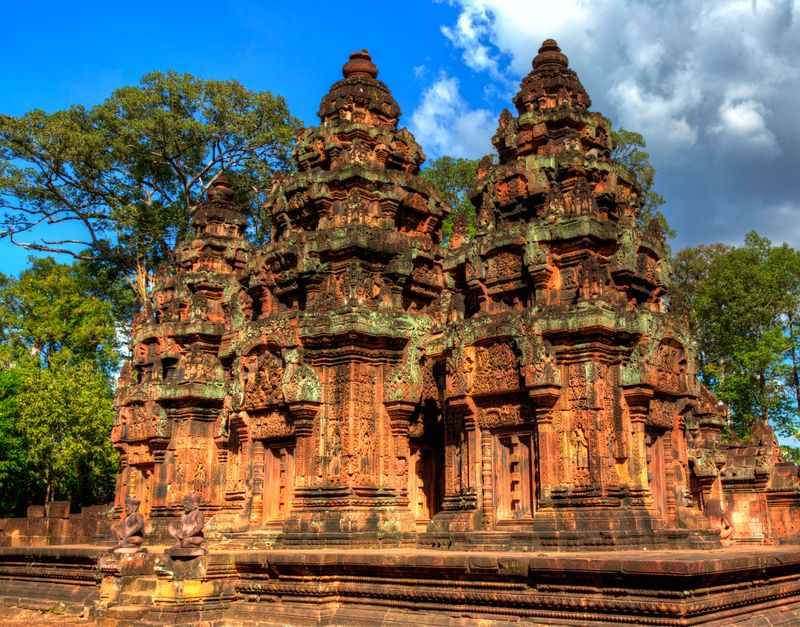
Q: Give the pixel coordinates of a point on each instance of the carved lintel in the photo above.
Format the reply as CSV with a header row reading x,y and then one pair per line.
x,y
399,414
546,396
638,400
465,404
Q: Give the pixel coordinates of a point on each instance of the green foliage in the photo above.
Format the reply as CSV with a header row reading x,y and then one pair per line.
x,y
47,311
123,177
66,413
690,267
453,177
15,488
58,355
743,304
791,454
629,150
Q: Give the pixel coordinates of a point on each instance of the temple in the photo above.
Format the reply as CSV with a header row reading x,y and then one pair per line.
x,y
359,380
454,416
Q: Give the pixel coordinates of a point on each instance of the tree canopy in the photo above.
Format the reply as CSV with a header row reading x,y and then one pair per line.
x,y
743,304
117,183
453,178
58,355
629,150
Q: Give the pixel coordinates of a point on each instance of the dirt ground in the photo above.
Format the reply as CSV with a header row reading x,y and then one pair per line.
x,y
18,617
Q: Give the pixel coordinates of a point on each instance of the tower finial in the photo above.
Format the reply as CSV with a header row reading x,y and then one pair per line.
x,y
360,63
220,189
550,54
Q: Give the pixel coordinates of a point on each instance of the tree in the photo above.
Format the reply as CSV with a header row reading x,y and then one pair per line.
x,y
58,354
744,313
629,151
690,268
65,413
453,177
117,183
16,489
47,312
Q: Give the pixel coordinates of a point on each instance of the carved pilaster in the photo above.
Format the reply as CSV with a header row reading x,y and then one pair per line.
x,y
638,401
399,415
486,476
544,399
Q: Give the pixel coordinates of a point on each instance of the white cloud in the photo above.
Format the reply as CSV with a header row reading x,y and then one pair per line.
x,y
443,123
486,31
472,26
714,86
742,125
663,118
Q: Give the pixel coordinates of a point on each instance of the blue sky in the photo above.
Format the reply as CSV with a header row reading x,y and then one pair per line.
x,y
714,85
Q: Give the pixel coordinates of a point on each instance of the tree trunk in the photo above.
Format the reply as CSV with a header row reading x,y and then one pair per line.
x,y
795,374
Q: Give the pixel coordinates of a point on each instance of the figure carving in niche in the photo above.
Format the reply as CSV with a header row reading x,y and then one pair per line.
x,y
580,456
569,286
353,283
583,202
129,532
245,305
486,217
593,279
354,202
468,369
189,533
359,151
554,202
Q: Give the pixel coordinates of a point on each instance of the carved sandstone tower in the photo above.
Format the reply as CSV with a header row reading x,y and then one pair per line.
x,y
355,382
567,386
172,393
327,372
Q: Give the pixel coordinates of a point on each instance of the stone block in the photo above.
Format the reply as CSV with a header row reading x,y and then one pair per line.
x,y
58,509
35,511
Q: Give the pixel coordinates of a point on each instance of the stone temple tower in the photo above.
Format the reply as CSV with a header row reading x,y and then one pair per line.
x,y
327,370
567,384
358,381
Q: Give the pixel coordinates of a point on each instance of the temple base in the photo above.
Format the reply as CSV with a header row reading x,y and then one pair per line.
x,y
411,586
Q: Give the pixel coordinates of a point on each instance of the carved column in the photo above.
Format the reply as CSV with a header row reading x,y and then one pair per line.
x,y
486,476
399,415
471,466
304,414
544,399
638,401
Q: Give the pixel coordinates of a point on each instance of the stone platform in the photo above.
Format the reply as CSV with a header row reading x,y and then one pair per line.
x,y
743,586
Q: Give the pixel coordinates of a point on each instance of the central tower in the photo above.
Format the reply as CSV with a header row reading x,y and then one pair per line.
x,y
329,363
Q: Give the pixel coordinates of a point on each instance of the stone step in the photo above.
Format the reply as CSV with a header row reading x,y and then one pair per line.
x,y
140,584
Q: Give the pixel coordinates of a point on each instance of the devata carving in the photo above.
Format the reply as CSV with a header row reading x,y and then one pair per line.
x,y
356,378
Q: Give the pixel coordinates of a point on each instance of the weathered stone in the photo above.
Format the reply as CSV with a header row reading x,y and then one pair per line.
x,y
353,381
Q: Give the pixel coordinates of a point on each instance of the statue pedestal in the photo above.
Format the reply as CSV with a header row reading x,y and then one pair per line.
x,y
179,551
128,550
